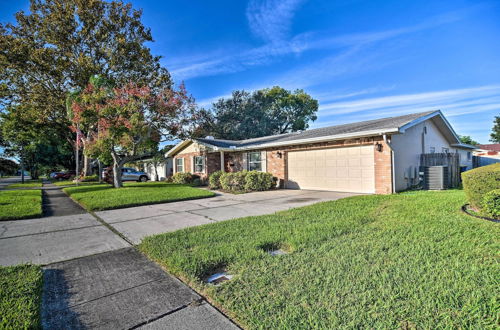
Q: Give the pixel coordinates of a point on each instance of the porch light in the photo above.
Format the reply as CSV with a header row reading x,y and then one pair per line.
x,y
279,154
378,146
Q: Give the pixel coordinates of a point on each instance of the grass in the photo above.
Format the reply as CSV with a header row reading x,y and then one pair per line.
x,y
104,197
26,184
71,183
410,260
20,297
20,204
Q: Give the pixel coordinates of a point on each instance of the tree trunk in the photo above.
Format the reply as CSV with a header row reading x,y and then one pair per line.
x,y
117,174
86,165
156,173
99,171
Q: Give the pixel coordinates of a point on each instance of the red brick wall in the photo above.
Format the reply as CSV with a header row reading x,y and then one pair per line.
x,y
383,169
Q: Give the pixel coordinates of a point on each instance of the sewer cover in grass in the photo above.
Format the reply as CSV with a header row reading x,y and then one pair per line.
x,y
278,252
218,278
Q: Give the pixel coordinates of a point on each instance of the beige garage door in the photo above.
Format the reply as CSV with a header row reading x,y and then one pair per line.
x,y
340,169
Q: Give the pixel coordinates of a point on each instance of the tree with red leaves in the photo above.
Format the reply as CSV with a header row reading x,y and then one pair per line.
x,y
129,121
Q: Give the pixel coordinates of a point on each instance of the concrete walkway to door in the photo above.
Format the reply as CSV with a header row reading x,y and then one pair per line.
x,y
135,223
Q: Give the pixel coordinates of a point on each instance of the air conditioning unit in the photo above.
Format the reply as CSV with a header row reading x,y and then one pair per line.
x,y
436,177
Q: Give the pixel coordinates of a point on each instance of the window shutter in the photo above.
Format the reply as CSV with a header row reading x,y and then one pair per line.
x,y
244,162
263,157
192,164
205,165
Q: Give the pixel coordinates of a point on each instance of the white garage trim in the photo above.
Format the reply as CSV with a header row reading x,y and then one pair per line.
x,y
350,169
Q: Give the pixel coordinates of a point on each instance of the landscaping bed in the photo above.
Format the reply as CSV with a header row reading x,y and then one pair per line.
x,y
105,197
20,297
20,204
410,260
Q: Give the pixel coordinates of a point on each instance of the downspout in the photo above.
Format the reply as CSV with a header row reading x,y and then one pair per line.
x,y
392,164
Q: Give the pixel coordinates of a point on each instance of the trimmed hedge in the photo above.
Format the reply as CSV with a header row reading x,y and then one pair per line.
x,y
480,181
233,181
242,181
491,204
255,180
214,180
182,178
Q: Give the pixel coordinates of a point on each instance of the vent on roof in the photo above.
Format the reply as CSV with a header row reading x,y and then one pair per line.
x,y
209,137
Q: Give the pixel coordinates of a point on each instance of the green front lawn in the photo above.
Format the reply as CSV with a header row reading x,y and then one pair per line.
x,y
20,204
411,260
26,184
20,297
105,197
71,183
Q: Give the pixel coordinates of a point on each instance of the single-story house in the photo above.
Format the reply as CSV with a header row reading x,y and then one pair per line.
x,y
487,154
377,156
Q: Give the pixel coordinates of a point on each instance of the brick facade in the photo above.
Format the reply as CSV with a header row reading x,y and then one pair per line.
x,y
276,160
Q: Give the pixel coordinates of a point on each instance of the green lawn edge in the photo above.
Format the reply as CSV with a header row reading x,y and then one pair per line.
x,y
405,260
108,198
20,297
20,204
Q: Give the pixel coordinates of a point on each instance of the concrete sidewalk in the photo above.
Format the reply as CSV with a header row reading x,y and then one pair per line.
x,y
122,290
135,223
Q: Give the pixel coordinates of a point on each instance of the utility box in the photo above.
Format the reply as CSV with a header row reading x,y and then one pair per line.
x,y
436,177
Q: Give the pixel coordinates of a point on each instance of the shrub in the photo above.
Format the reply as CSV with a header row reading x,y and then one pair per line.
x,y
255,180
90,178
214,180
491,204
479,181
197,182
182,178
233,181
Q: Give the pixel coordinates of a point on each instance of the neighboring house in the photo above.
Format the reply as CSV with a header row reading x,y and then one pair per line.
x,y
376,156
487,154
164,168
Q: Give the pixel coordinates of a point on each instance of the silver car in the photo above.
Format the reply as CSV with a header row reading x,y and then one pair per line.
x,y
131,174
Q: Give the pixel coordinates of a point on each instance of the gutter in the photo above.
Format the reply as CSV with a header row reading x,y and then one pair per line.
x,y
392,164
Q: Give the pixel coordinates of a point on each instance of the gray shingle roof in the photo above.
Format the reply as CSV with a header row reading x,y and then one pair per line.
x,y
352,128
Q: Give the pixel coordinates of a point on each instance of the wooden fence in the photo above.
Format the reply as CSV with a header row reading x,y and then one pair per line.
x,y
452,160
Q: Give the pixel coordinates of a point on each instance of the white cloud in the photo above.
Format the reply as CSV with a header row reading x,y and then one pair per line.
x,y
270,20
427,100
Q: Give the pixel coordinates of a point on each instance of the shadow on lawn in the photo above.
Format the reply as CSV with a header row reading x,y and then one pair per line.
x,y
92,188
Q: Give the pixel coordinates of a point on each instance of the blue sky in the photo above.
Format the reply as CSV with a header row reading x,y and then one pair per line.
x,y
360,59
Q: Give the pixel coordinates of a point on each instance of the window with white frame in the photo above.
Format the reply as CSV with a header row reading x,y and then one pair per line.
x,y
255,161
469,155
179,165
446,150
199,164
433,150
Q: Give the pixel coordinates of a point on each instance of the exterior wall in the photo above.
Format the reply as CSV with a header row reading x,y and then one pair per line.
x,y
212,159
193,148
408,147
164,170
276,164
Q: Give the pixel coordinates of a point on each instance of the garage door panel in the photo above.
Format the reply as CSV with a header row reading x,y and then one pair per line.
x,y
337,169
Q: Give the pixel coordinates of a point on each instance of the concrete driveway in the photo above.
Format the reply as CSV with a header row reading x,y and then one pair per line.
x,y
138,222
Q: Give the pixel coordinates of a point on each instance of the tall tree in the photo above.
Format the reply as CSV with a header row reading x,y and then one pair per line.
x,y
264,112
468,140
60,44
495,131
132,120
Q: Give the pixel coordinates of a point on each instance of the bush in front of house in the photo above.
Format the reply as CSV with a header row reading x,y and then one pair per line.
x,y
214,180
490,205
255,180
480,181
233,181
182,178
90,178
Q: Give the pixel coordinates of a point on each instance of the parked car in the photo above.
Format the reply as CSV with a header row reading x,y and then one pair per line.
x,y
128,174
63,175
